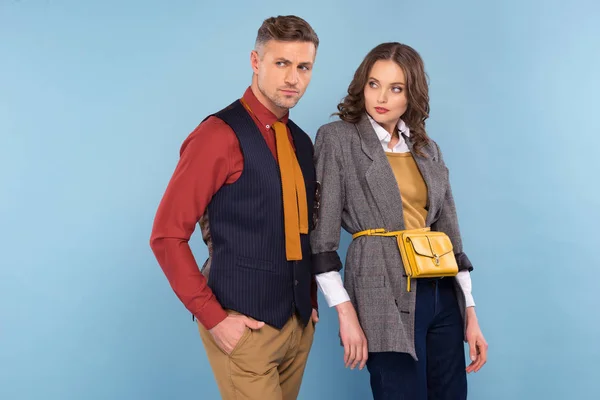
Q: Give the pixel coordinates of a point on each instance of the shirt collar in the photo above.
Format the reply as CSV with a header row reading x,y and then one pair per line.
x,y
262,113
382,134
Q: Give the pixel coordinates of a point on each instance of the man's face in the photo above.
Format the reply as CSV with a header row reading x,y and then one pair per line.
x,y
283,71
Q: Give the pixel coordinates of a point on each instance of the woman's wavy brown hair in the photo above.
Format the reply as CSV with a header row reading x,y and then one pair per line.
x,y
352,107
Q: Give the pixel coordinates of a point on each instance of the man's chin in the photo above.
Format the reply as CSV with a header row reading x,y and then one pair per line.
x,y
286,104
291,101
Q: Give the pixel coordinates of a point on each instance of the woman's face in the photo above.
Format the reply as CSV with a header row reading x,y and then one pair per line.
x,y
385,94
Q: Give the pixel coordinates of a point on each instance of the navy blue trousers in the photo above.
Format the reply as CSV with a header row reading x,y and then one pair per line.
x,y
439,374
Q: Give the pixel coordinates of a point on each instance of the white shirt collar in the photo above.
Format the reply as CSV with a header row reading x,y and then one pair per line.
x,y
382,134
385,137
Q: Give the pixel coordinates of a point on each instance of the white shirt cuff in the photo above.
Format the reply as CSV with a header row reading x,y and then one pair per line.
x,y
464,280
332,287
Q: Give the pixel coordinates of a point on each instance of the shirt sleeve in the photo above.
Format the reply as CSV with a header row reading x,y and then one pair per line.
x,y
332,287
204,166
464,280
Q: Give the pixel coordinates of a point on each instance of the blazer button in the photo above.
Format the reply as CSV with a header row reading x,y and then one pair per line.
x,y
296,282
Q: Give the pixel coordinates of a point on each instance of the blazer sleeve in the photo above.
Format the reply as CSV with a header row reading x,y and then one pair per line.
x,y
447,222
325,237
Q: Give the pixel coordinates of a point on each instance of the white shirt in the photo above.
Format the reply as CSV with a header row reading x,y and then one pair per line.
x,y
331,283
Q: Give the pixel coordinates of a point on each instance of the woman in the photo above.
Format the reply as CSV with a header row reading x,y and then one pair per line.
x,y
378,169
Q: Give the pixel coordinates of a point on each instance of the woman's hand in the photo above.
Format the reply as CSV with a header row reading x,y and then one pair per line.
x,y
477,345
353,338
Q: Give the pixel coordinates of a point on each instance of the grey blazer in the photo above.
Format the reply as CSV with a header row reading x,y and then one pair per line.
x,y
359,191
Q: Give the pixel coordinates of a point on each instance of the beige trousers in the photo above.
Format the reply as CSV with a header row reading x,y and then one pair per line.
x,y
266,364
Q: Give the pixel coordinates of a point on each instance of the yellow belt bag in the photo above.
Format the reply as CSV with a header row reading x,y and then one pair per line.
x,y
425,253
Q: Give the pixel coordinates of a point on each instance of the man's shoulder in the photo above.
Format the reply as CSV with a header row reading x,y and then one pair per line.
x,y
211,131
211,125
233,107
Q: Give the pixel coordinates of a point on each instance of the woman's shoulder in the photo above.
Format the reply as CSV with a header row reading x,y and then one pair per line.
x,y
336,128
432,150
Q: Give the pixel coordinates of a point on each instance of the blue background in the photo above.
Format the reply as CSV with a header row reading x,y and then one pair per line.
x,y
97,97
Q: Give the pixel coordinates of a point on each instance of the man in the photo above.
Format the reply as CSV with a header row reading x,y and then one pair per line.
x,y
246,175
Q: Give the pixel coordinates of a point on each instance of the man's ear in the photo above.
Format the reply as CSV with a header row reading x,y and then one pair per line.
x,y
254,60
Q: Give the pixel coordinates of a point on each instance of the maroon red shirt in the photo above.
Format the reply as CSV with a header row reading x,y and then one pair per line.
x,y
210,157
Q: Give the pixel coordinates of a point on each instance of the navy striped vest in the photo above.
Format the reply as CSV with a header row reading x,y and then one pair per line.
x,y
249,272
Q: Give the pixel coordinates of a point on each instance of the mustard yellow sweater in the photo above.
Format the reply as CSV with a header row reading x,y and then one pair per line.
x,y
412,189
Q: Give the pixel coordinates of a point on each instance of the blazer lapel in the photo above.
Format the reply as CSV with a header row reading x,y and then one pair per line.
x,y
380,178
382,181
434,176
